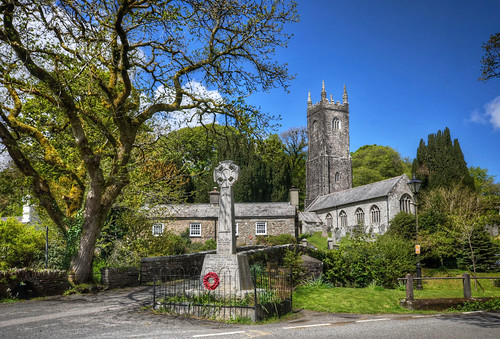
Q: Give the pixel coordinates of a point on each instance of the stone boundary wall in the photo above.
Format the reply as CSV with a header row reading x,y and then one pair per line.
x,y
28,283
115,277
189,261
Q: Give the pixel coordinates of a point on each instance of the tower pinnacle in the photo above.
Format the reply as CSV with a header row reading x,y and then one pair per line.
x,y
344,98
323,92
309,101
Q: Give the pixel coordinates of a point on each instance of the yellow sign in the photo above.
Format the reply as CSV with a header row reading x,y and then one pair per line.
x,y
417,249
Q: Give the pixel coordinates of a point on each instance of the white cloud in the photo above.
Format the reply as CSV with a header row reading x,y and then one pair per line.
x,y
491,114
477,117
492,109
189,117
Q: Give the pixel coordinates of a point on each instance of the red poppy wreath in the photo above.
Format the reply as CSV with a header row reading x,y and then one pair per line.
x,y
215,281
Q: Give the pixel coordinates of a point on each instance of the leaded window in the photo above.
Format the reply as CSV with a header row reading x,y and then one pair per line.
x,y
336,123
375,215
360,216
405,203
343,219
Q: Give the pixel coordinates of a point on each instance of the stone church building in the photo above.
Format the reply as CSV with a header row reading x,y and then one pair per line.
x,y
331,202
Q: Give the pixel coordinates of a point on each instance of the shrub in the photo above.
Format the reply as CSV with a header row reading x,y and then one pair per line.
x,y
358,263
273,240
19,244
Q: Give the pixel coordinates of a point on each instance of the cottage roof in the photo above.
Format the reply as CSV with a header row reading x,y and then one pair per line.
x,y
366,192
241,210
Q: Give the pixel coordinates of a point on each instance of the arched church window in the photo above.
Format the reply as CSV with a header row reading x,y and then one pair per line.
x,y
405,203
329,221
375,215
314,126
360,216
336,123
343,219
337,177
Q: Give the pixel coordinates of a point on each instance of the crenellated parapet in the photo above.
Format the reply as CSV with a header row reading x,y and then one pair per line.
x,y
327,103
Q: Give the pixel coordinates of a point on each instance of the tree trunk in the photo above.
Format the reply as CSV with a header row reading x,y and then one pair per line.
x,y
82,263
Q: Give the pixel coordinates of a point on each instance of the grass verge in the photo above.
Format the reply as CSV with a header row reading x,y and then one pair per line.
x,y
377,300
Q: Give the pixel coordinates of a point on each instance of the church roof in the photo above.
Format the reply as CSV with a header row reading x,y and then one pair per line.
x,y
366,192
310,218
241,210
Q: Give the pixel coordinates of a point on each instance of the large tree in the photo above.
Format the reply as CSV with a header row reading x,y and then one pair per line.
x,y
80,79
371,163
441,162
491,58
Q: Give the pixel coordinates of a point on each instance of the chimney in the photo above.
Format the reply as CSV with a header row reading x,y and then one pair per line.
x,y
214,196
293,194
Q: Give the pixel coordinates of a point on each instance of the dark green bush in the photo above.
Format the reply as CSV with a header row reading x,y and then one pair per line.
x,y
358,263
273,240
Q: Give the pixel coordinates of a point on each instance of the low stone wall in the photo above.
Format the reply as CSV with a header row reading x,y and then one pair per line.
x,y
183,262
29,283
115,277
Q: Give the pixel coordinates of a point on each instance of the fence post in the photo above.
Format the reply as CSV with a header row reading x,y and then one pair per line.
x,y
409,287
467,289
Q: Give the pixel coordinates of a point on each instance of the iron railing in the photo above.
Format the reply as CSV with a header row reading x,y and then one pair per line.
x,y
186,292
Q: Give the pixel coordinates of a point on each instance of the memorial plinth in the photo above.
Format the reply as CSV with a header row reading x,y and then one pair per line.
x,y
232,269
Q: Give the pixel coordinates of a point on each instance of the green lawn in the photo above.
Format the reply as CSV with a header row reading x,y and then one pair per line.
x,y
375,299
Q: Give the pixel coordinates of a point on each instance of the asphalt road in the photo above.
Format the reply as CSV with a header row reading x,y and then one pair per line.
x,y
121,314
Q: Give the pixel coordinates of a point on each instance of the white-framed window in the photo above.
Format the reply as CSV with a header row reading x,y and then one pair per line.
x,y
405,203
360,216
236,229
157,229
337,177
343,219
336,123
261,228
195,229
375,215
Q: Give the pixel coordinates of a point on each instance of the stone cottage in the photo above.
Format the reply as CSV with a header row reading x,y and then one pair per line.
x,y
252,219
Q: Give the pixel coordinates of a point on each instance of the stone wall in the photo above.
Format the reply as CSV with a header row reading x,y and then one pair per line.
x,y
186,262
28,283
115,277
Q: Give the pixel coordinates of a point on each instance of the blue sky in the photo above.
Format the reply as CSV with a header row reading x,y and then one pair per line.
x,y
411,68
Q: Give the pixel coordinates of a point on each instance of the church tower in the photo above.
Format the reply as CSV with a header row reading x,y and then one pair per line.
x,y
329,166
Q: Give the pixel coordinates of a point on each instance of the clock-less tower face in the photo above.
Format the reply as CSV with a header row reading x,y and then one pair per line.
x,y
328,167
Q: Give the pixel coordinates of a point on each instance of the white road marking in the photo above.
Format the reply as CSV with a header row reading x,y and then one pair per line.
x,y
216,334
305,326
369,320
472,312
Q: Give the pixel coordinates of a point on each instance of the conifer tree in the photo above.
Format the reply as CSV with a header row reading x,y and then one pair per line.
x,y
441,162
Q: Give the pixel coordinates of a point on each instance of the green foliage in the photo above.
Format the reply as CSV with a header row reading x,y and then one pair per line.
x,y
403,225
321,281
265,167
484,251
11,191
273,240
358,263
491,59
476,305
441,162
293,261
19,244
371,163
